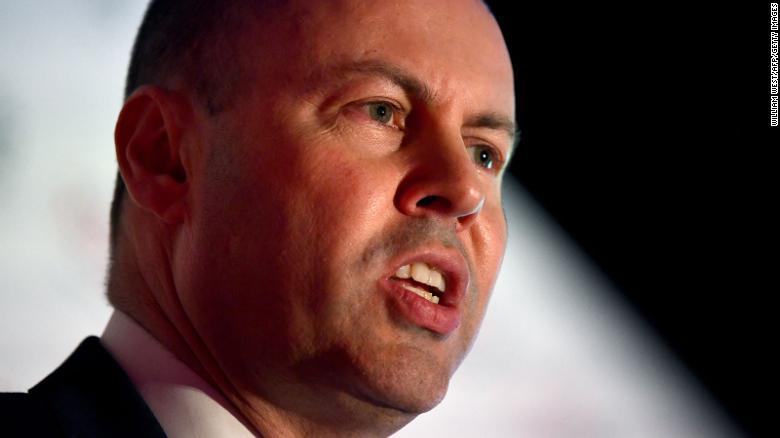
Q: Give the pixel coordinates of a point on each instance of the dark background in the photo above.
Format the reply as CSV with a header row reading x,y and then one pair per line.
x,y
645,134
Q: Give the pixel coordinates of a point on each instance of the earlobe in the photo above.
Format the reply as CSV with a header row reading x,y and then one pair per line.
x,y
149,150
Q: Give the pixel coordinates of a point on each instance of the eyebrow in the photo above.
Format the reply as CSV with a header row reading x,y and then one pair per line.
x,y
417,88
395,74
496,122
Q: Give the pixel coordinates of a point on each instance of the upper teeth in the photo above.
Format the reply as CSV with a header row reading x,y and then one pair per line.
x,y
423,273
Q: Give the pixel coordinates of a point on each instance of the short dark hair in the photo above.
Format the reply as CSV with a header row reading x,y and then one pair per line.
x,y
189,41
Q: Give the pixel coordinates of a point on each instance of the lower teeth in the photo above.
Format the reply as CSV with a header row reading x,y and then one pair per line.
x,y
423,293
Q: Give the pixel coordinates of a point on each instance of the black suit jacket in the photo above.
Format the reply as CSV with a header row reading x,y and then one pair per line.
x,y
89,395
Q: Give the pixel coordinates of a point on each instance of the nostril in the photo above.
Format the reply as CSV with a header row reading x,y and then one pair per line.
x,y
435,202
426,201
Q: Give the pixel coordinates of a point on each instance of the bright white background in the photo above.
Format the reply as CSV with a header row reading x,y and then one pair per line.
x,y
558,356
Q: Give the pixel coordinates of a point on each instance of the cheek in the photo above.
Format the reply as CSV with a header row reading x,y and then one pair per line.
x,y
244,252
350,202
488,240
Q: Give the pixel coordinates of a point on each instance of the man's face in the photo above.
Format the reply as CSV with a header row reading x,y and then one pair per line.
x,y
371,136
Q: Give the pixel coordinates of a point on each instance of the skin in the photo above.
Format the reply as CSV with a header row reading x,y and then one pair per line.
x,y
255,239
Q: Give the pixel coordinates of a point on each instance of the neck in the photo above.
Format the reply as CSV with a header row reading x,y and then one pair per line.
x,y
281,405
146,293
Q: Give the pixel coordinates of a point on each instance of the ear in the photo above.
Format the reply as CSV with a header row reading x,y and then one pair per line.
x,y
148,148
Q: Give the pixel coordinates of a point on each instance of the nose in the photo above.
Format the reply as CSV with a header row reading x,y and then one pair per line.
x,y
443,183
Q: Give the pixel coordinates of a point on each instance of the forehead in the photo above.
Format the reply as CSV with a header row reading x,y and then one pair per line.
x,y
454,47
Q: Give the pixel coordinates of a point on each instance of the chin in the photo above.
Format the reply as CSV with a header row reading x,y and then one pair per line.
x,y
412,399
409,382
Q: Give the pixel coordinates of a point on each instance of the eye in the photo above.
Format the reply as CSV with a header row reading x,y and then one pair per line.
x,y
385,113
381,112
484,156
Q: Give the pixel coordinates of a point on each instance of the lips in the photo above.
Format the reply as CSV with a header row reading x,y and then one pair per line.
x,y
413,275
423,279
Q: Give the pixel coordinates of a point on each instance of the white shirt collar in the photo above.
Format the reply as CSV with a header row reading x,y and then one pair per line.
x,y
183,403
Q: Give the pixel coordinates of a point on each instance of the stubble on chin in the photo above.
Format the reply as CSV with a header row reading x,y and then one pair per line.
x,y
389,361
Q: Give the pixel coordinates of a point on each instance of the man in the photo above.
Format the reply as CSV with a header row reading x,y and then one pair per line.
x,y
307,226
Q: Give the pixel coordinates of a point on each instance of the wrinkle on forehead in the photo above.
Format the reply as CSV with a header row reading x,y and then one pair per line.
x,y
387,23
453,47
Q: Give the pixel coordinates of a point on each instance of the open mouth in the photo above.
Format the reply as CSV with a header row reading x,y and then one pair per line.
x,y
422,279
427,287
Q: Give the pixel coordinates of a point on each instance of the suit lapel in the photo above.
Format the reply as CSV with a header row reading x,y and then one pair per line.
x,y
91,396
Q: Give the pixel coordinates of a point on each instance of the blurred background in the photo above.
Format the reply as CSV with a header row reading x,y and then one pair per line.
x,y
631,301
